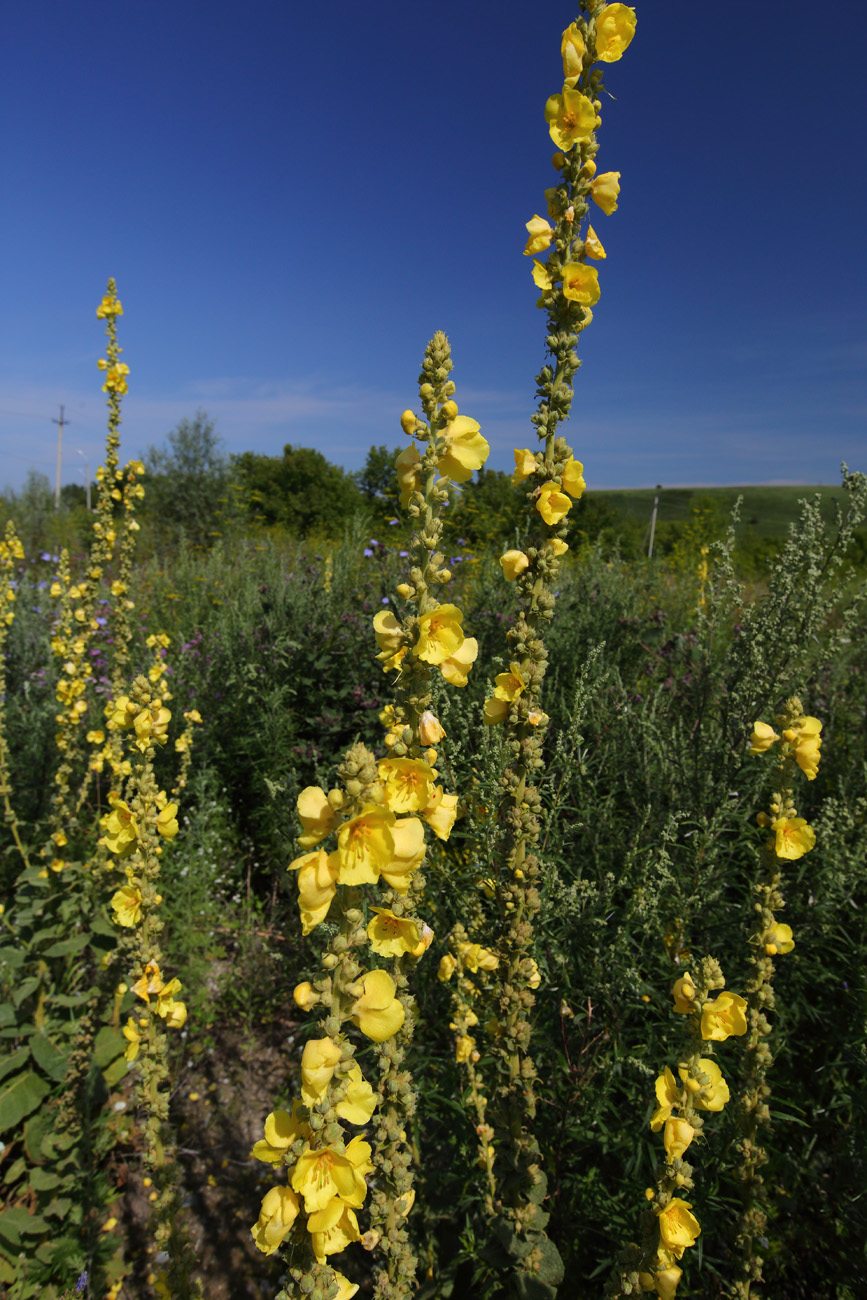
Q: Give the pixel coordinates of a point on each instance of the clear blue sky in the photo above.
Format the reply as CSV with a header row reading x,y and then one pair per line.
x,y
293,197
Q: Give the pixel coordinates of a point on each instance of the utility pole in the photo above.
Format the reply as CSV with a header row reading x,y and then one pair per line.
x,y
653,521
60,423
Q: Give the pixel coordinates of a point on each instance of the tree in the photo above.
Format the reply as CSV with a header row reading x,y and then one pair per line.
x,y
377,481
187,480
300,489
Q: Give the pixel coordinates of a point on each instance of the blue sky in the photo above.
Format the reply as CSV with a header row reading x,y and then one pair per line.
x,y
293,197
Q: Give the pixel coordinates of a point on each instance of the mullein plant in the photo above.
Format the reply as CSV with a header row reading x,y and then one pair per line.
x,y
11,552
797,745
669,1226
141,820
525,1260
377,817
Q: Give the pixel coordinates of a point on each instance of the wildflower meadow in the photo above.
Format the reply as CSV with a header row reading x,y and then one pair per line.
x,y
441,901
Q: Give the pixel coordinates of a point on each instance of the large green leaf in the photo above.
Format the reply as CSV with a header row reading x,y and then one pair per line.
x,y
17,1223
24,989
66,947
108,1045
48,1057
19,1098
15,1062
13,957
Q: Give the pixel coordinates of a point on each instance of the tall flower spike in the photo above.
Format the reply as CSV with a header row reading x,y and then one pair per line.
x,y
552,480
796,746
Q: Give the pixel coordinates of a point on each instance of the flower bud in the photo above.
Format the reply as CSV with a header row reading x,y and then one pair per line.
x,y
409,423
450,409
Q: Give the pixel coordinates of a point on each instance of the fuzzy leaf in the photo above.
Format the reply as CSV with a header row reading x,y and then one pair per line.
x,y
19,1098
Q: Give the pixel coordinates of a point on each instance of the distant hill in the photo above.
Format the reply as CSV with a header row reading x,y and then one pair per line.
x,y
765,511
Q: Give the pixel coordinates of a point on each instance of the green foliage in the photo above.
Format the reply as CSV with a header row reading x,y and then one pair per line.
x,y
187,481
300,490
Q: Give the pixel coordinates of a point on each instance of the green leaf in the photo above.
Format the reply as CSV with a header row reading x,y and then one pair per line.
x,y
66,947
22,1096
36,1132
15,1170
15,1062
16,1223
69,999
24,989
48,1057
108,1044
59,1207
7,1013
7,1272
13,957
115,1072
41,1180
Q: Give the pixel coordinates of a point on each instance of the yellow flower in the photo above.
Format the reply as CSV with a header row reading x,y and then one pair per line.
x,y
282,1129
456,668
325,1173
541,278
668,1095
150,982
408,853
514,562
778,939
376,1011
408,473
510,686
677,1227
407,784
279,1211
440,634
676,1137
95,737
152,725
127,905
391,936
446,968
315,814
572,48
533,974
724,1017
684,993
806,742
581,283
465,450
762,738
556,545
133,1037
317,884
794,837
304,996
474,957
464,1048
166,997
167,821
593,246
605,191
571,117
707,1096
175,1015
541,234
572,478
615,28
365,845
110,306
525,465
552,504
318,1060
120,829
347,1289
332,1229
388,632
360,1100
430,729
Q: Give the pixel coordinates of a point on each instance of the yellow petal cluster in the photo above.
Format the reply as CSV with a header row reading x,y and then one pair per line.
x,y
571,117
723,1017
465,449
615,28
